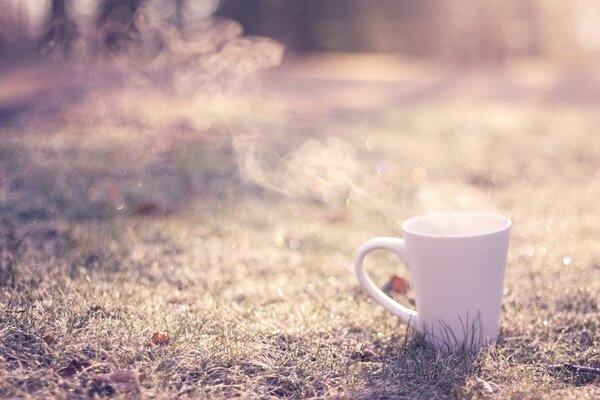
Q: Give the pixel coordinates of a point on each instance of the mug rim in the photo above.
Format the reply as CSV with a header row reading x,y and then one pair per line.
x,y
506,223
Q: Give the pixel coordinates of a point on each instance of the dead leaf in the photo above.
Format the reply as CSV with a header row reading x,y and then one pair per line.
x,y
198,191
484,387
479,388
335,215
398,284
91,261
152,209
96,309
49,339
159,339
100,385
73,367
124,380
112,193
364,353
181,300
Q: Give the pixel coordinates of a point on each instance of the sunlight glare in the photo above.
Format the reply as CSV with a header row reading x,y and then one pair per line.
x,y
419,175
542,251
372,144
380,168
202,9
279,238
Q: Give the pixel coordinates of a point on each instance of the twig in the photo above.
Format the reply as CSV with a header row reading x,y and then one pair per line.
x,y
9,311
576,369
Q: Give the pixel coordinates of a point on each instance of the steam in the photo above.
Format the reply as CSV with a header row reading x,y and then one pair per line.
x,y
328,171
173,45
212,56
209,56
438,197
325,170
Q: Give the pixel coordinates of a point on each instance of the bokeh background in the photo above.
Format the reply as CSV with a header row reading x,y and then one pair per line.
x,y
482,32
183,185
534,49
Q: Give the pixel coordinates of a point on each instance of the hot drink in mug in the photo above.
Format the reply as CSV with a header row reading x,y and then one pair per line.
x,y
457,262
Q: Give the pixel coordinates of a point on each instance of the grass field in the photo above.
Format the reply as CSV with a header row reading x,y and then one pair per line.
x,y
229,225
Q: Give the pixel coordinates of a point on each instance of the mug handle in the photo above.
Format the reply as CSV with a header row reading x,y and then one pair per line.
x,y
397,247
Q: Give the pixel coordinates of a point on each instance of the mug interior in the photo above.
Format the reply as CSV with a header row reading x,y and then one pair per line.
x,y
456,224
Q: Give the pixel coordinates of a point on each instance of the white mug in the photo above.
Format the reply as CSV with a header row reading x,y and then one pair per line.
x,y
457,261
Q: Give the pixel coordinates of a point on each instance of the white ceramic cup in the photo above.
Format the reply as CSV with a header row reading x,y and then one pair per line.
x,y
457,262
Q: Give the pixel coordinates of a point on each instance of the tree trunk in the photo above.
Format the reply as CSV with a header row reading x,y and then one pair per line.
x,y
58,10
61,31
179,13
116,24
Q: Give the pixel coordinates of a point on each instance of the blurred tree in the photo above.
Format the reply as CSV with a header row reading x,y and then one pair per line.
x,y
116,24
61,31
179,13
485,31
5,13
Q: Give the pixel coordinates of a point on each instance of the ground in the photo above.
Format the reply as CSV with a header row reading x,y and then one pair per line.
x,y
200,245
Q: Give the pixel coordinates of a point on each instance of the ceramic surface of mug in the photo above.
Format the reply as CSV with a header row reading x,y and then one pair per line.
x,y
457,262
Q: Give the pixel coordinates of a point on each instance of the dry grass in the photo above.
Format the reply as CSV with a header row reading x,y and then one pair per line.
x,y
117,224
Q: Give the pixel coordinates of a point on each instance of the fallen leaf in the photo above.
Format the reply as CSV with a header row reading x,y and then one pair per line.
x,y
364,353
152,209
159,339
479,388
96,308
335,216
100,386
124,380
123,376
198,191
49,339
91,261
398,284
112,193
181,300
74,366
484,387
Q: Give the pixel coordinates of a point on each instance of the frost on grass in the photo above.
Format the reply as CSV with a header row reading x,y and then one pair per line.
x,y
244,290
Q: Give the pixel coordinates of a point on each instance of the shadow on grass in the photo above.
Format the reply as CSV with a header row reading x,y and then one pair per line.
x,y
413,368
55,178
82,183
